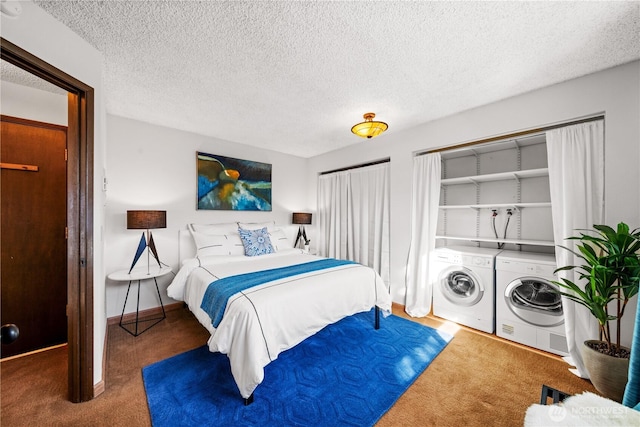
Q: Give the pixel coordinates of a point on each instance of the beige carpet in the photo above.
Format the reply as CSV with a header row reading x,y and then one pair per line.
x,y
478,380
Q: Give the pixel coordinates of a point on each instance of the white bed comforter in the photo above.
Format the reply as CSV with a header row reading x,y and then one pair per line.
x,y
260,323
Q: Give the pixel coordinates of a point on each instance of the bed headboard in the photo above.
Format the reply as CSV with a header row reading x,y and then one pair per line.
x,y
186,246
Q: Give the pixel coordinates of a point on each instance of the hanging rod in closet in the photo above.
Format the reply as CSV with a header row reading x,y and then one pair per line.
x,y
363,165
515,135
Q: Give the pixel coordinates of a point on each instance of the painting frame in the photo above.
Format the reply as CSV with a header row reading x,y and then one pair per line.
x,y
228,183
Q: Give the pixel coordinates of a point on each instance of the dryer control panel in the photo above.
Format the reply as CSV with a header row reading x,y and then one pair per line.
x,y
525,268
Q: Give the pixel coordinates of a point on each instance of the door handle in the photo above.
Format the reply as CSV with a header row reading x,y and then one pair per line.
x,y
9,333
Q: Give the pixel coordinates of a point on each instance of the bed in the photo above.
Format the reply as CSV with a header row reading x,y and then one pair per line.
x,y
258,323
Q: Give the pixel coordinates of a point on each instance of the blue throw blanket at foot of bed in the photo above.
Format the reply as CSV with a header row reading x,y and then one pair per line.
x,y
214,302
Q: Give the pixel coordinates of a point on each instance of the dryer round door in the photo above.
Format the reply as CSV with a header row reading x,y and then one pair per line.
x,y
534,300
461,286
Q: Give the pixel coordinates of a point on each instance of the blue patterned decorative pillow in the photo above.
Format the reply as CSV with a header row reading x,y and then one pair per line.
x,y
256,242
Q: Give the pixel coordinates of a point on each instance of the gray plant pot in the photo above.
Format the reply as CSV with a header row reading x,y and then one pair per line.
x,y
608,374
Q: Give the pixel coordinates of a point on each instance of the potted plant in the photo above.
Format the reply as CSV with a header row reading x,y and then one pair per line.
x,y
610,272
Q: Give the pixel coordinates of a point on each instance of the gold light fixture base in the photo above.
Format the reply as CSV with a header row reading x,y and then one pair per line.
x,y
369,128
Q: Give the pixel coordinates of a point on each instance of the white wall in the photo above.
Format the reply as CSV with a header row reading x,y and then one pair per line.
x,y
614,92
33,104
153,167
40,34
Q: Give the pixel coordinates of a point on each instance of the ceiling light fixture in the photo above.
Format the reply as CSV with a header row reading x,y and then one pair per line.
x,y
369,128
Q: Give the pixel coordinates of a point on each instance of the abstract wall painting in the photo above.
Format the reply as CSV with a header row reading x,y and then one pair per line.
x,y
225,183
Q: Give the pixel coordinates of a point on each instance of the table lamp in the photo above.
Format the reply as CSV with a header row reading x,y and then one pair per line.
x,y
146,220
301,219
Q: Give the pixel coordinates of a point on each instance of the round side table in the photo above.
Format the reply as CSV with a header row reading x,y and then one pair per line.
x,y
139,274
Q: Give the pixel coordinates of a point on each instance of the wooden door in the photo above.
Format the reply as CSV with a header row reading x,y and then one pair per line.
x,y
33,243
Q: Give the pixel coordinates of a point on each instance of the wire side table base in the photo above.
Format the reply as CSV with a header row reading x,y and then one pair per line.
x,y
137,321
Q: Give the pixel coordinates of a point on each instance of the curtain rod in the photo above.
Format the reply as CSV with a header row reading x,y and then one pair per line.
x,y
363,165
512,135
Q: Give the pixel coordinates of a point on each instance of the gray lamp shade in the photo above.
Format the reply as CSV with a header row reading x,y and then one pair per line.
x,y
301,218
146,219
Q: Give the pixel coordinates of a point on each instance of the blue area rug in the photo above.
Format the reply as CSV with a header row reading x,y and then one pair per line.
x,y
346,374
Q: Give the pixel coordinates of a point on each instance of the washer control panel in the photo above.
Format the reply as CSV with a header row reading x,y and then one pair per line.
x,y
478,261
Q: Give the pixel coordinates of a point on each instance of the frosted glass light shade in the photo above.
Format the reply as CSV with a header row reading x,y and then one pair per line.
x,y
369,128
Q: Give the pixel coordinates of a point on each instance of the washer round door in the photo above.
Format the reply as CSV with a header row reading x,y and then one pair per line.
x,y
535,300
461,286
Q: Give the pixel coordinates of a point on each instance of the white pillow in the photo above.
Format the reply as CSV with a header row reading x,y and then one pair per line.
x,y
209,241
279,240
222,228
271,225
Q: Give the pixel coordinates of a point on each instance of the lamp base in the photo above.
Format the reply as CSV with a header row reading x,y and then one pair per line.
x,y
302,236
142,245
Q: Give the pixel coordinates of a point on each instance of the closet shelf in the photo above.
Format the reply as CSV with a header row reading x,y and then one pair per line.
x,y
494,240
514,206
517,175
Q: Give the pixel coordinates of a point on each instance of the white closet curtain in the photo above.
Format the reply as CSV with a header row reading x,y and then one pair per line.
x,y
576,179
353,216
424,221
332,214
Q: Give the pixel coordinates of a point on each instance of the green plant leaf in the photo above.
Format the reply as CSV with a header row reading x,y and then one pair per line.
x,y
610,271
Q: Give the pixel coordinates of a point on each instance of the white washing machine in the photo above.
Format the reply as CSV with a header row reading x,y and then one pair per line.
x,y
462,278
528,311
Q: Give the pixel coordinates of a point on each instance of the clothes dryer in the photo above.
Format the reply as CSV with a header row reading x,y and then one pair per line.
x,y
462,278
528,310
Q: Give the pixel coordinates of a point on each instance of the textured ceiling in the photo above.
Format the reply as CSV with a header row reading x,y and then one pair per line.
x,y
13,74
294,76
